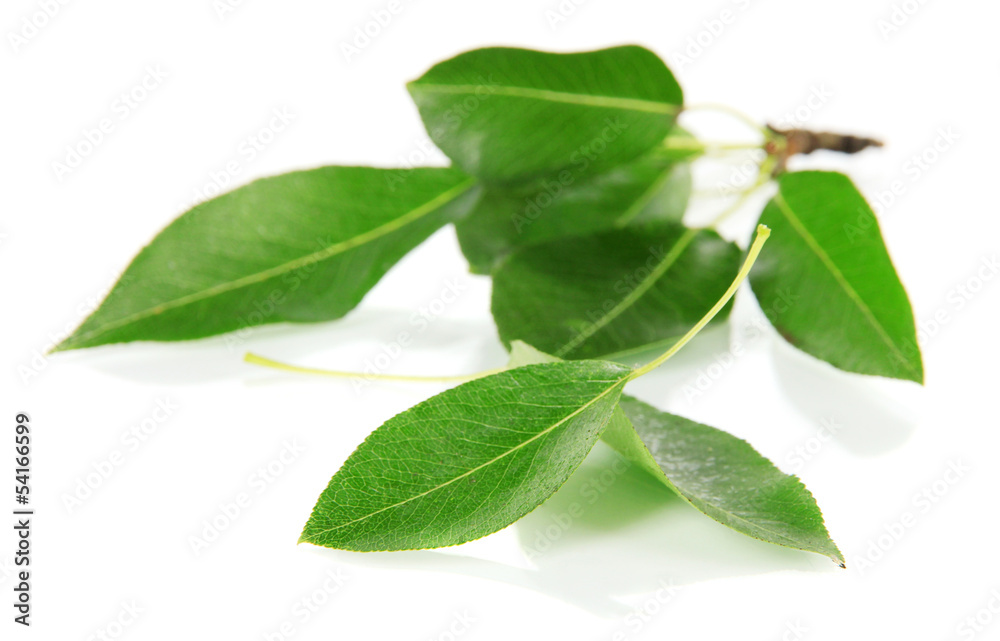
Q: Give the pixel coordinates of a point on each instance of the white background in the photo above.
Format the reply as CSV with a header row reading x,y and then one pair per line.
x,y
63,240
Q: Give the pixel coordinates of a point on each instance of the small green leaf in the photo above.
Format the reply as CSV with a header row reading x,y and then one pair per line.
x,y
654,187
613,293
469,461
827,282
505,115
721,475
301,247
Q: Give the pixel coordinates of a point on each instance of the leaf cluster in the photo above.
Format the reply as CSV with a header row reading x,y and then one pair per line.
x,y
569,182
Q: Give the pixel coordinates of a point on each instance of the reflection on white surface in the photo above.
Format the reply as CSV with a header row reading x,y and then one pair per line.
x,y
347,344
630,537
604,539
870,421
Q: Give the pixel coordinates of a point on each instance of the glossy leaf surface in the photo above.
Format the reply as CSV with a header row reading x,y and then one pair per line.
x,y
721,475
827,282
612,293
506,115
654,187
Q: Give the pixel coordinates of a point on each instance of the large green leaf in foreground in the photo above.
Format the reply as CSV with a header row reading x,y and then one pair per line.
x,y
469,461
826,281
654,187
721,475
304,246
505,114
612,293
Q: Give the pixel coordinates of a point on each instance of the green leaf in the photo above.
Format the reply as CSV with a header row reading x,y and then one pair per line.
x,y
613,293
300,247
504,115
654,187
721,475
469,461
827,282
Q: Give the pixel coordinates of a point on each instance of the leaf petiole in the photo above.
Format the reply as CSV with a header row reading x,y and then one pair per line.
x,y
758,243
681,143
256,359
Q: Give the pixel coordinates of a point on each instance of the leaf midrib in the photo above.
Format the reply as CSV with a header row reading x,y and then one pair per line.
x,y
839,277
475,469
278,270
789,542
638,292
588,100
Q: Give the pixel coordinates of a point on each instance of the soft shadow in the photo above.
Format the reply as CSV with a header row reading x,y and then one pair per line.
x,y
606,536
344,344
868,421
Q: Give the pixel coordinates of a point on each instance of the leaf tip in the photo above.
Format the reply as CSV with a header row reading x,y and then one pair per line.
x,y
837,556
909,369
63,346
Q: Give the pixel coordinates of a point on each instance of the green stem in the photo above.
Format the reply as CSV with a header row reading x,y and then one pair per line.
x,y
683,143
762,233
256,359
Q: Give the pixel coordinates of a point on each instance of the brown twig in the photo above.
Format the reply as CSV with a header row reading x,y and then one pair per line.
x,y
792,142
